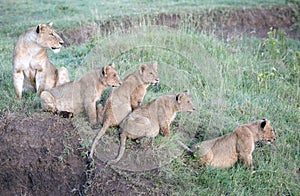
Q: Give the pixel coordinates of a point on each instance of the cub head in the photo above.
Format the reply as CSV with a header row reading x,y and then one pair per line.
x,y
110,76
149,73
184,101
48,38
266,131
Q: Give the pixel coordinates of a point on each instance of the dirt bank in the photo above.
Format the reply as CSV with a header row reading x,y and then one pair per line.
x,y
224,23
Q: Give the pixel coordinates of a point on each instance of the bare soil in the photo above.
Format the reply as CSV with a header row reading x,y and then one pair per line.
x,y
39,155
42,154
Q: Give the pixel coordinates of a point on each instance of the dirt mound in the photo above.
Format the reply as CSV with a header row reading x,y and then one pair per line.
x,y
39,156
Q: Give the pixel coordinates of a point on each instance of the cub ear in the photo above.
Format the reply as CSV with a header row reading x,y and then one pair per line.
x,y
155,65
142,68
179,97
112,65
105,70
263,123
49,24
187,92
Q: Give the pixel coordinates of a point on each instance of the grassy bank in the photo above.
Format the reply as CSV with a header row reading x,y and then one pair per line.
x,y
232,82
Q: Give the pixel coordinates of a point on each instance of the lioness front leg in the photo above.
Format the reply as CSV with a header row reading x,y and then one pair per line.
x,y
18,78
40,81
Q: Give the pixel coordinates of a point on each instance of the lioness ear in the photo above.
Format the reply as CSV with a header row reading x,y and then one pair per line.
x,y
142,68
49,24
40,27
263,123
105,70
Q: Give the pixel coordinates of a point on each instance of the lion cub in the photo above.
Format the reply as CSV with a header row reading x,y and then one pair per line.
x,y
125,98
155,116
224,151
81,94
31,67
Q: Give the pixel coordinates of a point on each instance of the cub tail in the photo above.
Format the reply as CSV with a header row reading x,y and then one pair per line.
x,y
190,151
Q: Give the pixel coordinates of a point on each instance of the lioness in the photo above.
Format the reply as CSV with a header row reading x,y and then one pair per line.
x,y
125,98
224,151
30,61
155,116
80,94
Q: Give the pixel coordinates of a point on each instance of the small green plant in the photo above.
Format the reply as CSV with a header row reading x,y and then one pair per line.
x,y
279,59
265,78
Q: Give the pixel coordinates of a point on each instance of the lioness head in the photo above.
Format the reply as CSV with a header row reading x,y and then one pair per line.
x,y
110,76
149,73
184,101
266,132
48,38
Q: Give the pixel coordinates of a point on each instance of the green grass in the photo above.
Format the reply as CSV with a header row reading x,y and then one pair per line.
x,y
17,15
232,82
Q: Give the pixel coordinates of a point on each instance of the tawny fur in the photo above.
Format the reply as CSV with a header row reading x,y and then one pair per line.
x,y
225,151
122,100
31,67
155,116
81,94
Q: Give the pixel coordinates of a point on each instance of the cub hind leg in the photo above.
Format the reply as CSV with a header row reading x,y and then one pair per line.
x,y
48,101
62,76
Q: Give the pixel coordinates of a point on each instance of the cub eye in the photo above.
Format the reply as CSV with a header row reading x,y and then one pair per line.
x,y
115,75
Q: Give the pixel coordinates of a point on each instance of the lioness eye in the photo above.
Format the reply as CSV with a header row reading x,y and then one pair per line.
x,y
51,34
